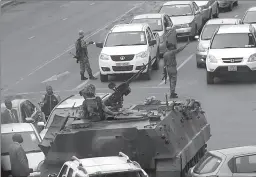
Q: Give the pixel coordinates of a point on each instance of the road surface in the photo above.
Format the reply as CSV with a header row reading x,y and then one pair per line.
x,y
37,36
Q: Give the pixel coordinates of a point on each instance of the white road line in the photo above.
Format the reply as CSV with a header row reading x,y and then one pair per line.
x,y
180,66
56,77
92,3
31,37
64,19
85,82
72,46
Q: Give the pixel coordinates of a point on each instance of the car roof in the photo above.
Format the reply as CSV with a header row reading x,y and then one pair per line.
x,y
238,150
252,9
155,15
200,3
76,101
106,164
16,127
176,3
244,28
218,21
129,27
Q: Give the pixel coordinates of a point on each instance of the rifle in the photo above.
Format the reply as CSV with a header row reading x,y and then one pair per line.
x,y
165,74
74,56
115,100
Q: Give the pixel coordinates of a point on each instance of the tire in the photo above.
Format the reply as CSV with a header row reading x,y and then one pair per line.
x,y
103,78
236,3
156,63
216,15
192,38
230,8
210,78
147,75
198,65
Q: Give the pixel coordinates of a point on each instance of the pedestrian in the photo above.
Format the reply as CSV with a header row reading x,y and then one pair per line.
x,y
93,107
18,158
82,55
170,64
49,101
9,115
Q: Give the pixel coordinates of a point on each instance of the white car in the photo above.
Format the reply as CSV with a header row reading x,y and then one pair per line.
x,y
232,51
126,49
31,139
250,16
111,166
162,25
205,37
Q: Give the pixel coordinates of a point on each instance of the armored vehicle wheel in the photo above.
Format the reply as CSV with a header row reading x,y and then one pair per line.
x,y
103,78
210,77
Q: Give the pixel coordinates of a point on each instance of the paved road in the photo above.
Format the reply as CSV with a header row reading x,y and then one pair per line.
x,y
33,51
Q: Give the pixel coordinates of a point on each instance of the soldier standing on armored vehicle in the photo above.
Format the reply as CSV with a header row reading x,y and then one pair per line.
x,y
170,66
93,106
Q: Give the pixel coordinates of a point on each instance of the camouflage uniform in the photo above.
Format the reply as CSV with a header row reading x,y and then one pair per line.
x,y
82,55
170,65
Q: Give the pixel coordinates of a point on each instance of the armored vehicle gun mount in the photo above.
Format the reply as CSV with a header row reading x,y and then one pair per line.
x,y
166,138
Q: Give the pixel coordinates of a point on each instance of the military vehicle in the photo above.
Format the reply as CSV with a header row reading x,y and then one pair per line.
x,y
165,138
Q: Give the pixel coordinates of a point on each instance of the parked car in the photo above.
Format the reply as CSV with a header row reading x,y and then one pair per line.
x,y
250,17
209,9
186,16
227,4
232,52
127,48
31,139
69,106
27,111
231,162
205,37
161,24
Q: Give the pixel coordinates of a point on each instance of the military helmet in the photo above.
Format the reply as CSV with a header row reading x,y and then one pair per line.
x,y
81,33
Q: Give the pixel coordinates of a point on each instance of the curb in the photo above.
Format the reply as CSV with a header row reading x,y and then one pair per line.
x,y
6,3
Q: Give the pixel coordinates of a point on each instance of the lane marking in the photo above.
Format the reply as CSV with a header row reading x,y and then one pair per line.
x,y
236,15
56,77
85,82
31,37
64,19
72,46
92,3
180,66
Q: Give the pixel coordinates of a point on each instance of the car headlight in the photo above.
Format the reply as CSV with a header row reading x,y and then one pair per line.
x,y
252,58
104,56
211,59
142,54
200,48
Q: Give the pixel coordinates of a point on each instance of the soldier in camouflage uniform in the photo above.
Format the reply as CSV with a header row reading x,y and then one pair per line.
x,y
93,107
170,64
82,55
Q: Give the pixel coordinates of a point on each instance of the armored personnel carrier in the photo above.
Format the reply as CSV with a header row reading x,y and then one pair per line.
x,y
165,138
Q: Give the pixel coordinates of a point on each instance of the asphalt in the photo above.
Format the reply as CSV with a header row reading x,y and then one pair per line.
x,y
37,37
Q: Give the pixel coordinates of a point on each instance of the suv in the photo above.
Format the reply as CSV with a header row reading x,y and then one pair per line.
x,y
120,166
232,51
126,49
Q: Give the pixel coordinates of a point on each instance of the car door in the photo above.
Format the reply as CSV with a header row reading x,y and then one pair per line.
x,y
63,171
32,111
153,47
172,35
198,16
245,166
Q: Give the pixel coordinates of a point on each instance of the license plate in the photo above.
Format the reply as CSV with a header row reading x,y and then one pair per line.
x,y
122,64
232,68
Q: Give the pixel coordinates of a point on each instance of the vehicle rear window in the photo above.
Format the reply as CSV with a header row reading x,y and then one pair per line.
x,y
250,17
177,10
208,164
208,31
154,23
233,40
120,174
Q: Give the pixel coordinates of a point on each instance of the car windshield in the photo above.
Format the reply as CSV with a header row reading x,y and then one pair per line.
x,y
120,174
30,142
208,31
250,17
177,10
233,40
208,164
154,23
126,39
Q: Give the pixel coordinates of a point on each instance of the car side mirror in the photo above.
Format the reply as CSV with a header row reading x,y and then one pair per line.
x,y
197,12
168,28
29,120
40,124
99,45
152,42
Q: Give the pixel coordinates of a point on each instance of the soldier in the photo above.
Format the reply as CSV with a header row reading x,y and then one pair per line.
x,y
49,101
82,55
170,64
93,106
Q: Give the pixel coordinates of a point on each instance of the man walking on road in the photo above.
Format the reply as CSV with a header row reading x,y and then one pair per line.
x,y
82,55
9,115
170,66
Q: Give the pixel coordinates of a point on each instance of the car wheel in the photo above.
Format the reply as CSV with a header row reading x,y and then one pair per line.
x,y
103,78
210,77
147,75
236,3
230,8
156,63
216,15
198,65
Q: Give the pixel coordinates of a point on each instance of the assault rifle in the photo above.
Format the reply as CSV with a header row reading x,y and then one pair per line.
x,y
74,56
115,100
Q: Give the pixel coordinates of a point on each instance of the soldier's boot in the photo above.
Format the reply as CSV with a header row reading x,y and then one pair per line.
x,y
93,78
83,78
173,95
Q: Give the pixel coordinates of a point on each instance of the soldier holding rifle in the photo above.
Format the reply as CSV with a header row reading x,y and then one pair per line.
x,y
170,66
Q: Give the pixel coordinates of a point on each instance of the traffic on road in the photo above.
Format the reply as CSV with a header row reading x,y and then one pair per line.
x,y
142,88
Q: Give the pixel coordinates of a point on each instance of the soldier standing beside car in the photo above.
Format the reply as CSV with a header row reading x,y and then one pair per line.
x,y
82,56
170,66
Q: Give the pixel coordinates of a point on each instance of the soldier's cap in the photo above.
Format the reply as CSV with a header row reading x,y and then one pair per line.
x,y
89,89
17,138
81,32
